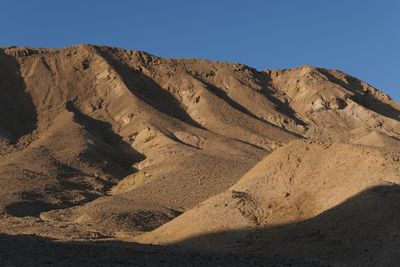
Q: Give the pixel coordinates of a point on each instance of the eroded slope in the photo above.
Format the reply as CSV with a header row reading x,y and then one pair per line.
x,y
100,142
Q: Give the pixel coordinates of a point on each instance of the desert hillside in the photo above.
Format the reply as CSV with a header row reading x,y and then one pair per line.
x,y
210,162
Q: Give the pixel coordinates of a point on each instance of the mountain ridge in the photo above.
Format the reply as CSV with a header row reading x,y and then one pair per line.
x,y
102,143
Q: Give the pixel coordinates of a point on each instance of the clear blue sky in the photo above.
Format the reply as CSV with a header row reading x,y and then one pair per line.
x,y
360,37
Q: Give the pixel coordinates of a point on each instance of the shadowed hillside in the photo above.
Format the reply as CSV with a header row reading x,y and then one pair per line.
x,y
362,231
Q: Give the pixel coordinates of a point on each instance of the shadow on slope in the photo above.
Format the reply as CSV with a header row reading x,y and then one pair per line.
x,y
121,153
264,80
364,230
17,111
78,172
23,250
235,105
362,97
145,88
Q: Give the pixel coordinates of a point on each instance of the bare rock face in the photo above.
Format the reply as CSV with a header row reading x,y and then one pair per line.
x,y
102,143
